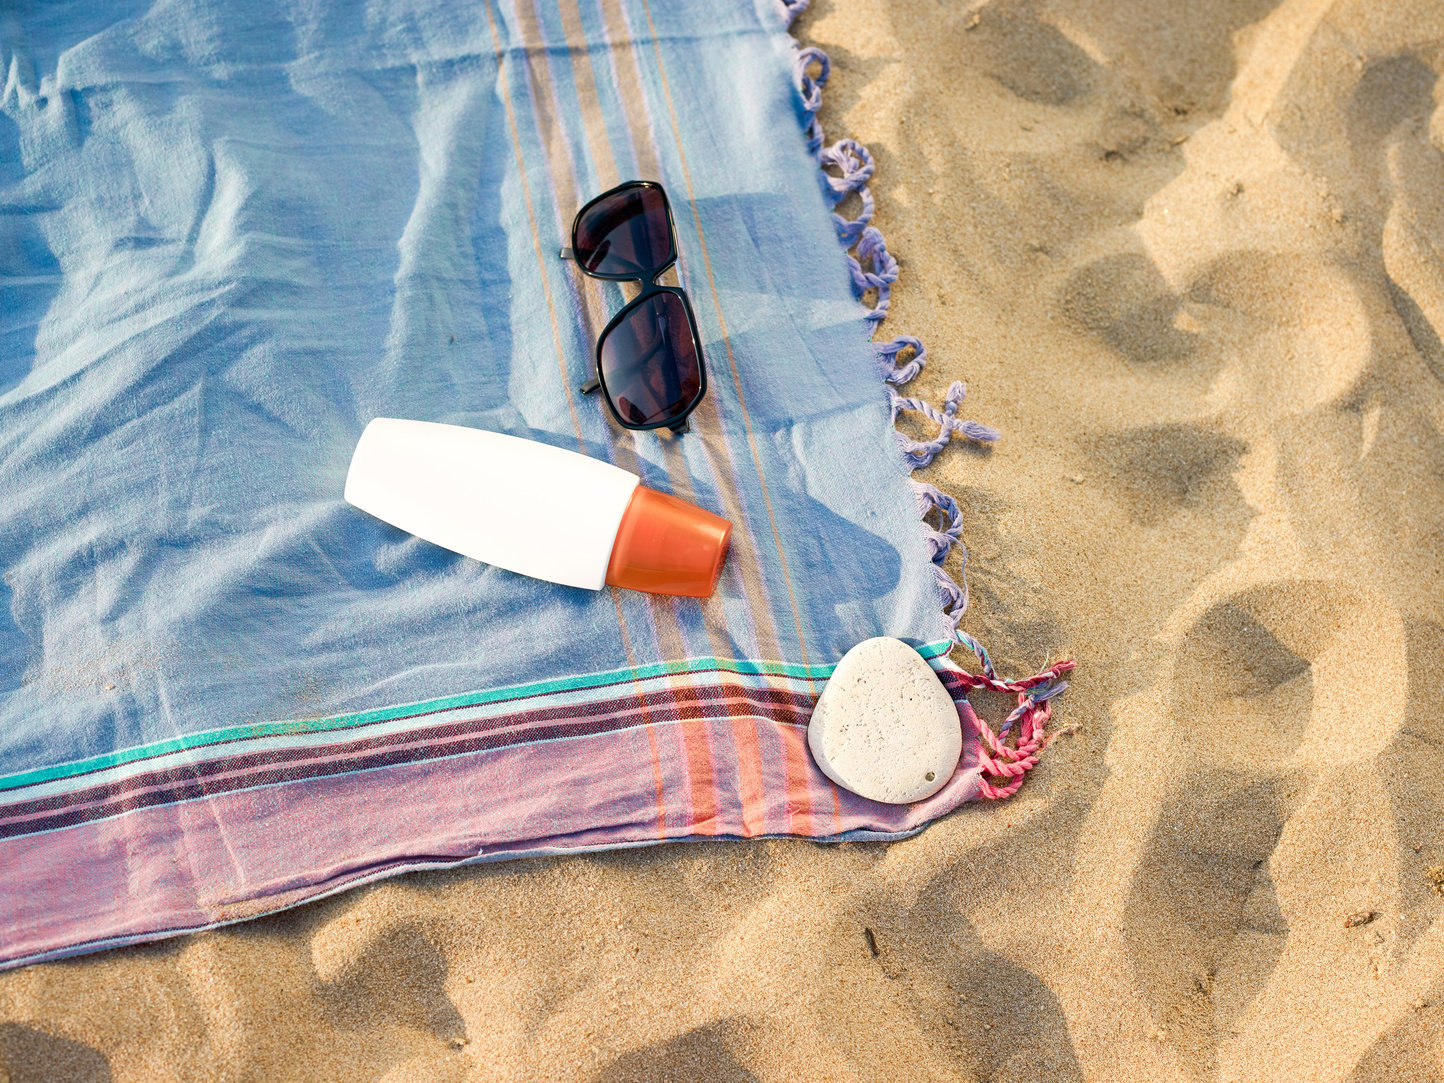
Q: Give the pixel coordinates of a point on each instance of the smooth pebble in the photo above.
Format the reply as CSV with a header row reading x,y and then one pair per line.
x,y
885,727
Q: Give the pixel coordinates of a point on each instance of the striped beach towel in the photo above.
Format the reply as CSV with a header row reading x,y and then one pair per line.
x,y
232,234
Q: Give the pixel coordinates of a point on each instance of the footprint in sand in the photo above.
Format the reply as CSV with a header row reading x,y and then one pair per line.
x,y
1287,695
29,1055
1029,57
1124,300
1183,56
980,1010
1248,673
1162,470
1205,891
1413,247
1413,765
700,1053
1304,316
1340,123
372,965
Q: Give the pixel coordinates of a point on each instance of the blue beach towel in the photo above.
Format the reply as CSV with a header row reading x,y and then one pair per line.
x,y
232,234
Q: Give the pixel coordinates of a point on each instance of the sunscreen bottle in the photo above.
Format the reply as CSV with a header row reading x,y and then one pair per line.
x,y
534,509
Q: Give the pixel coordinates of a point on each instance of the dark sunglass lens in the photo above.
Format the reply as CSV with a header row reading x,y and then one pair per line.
x,y
650,363
626,233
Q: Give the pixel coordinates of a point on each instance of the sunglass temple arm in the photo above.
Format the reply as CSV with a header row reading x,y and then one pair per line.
x,y
567,253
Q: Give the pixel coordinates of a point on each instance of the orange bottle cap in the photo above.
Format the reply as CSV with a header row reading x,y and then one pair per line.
x,y
668,546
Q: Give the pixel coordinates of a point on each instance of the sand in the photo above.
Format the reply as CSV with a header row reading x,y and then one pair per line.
x,y
1190,258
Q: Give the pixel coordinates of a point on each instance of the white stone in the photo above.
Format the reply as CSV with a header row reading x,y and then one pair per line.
x,y
885,727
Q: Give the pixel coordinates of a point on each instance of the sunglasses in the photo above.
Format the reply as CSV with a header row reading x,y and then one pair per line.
x,y
649,357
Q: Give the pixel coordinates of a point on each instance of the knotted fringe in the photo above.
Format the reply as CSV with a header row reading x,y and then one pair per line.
x,y
846,168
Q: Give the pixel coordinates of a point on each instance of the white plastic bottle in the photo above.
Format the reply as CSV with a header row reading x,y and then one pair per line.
x,y
534,509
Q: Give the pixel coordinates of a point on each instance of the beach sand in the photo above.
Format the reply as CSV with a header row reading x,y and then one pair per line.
x,y
1190,260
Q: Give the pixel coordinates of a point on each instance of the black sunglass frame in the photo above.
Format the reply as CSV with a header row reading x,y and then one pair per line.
x,y
650,288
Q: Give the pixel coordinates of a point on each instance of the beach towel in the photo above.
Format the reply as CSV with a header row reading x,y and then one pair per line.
x,y
230,236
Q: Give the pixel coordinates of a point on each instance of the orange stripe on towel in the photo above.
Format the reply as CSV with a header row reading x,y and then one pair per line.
x,y
799,769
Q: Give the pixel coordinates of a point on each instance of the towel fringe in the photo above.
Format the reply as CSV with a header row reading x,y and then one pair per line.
x,y
846,168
